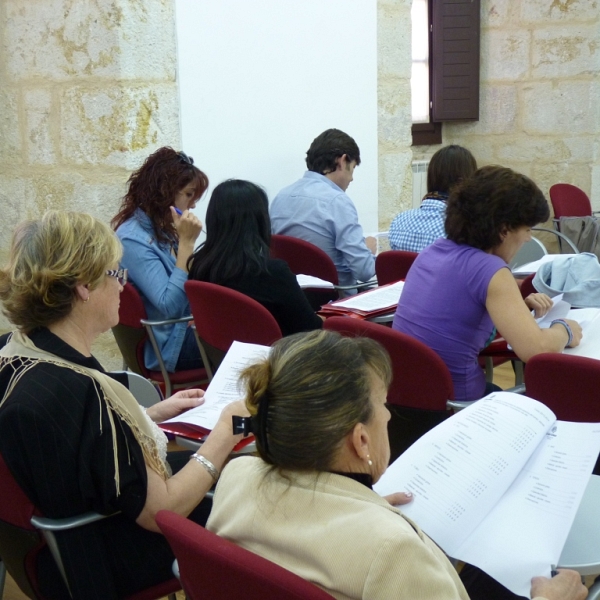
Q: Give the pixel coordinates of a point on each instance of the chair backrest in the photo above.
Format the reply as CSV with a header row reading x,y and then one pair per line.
x,y
393,265
215,568
19,540
529,252
222,316
566,384
569,201
130,334
143,390
303,258
527,286
420,377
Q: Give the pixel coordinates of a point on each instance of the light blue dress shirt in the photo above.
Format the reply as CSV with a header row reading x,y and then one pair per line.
x,y
151,269
318,211
414,230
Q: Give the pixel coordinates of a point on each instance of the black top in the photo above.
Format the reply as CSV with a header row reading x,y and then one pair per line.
x,y
278,291
56,440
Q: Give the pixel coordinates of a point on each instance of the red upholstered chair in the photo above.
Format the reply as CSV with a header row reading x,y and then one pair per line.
x,y
526,286
304,258
131,334
215,568
567,384
421,384
393,265
21,540
569,201
222,316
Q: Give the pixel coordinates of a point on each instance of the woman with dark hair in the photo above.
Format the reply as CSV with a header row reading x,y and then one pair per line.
x,y
158,232
416,229
318,406
236,255
460,290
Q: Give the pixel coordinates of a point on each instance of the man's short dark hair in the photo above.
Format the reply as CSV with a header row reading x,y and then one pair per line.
x,y
329,146
493,200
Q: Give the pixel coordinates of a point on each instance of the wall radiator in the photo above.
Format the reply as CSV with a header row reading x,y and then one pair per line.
x,y
419,171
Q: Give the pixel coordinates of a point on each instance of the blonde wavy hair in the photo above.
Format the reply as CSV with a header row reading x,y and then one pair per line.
x,y
309,394
48,258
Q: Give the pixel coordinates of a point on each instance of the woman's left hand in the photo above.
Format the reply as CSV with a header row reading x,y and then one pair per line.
x,y
540,303
399,498
175,405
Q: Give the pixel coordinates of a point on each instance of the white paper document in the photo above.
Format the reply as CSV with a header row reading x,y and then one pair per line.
x,y
306,281
532,267
560,309
376,299
498,485
590,324
225,386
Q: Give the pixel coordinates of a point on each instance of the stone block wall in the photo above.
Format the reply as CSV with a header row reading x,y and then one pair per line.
x,y
394,109
540,92
88,91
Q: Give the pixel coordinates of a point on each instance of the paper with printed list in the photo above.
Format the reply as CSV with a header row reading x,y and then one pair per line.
x,y
224,387
381,297
498,485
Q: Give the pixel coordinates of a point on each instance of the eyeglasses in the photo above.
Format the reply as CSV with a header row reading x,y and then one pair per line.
x,y
119,274
185,158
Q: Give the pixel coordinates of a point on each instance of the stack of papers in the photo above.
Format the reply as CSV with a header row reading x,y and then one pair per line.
x,y
309,281
380,301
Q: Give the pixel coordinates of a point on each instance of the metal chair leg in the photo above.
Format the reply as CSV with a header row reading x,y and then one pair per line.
x,y
2,577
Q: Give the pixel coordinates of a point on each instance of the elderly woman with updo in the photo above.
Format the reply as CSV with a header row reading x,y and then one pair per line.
x,y
158,230
74,437
306,503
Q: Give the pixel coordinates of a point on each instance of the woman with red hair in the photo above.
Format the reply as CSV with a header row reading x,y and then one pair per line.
x,y
158,232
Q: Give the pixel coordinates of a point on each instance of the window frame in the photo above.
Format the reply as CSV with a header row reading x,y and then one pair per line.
x,y
445,69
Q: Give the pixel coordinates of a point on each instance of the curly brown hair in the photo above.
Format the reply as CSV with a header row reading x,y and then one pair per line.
x,y
493,200
153,188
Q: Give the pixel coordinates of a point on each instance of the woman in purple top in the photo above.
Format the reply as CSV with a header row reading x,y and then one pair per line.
x,y
460,288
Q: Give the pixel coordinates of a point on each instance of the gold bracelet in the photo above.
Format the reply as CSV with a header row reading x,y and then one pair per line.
x,y
210,468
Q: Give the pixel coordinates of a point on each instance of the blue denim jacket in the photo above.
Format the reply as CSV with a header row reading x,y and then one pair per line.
x,y
153,272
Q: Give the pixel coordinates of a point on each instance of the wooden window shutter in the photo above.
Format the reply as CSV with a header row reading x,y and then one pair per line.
x,y
455,59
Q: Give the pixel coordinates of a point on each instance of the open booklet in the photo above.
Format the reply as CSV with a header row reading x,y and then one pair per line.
x,y
222,390
380,300
498,485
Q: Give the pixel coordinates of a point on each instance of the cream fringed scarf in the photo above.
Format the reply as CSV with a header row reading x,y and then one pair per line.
x,y
21,354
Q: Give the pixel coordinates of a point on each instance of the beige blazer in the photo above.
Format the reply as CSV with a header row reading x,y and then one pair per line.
x,y
332,531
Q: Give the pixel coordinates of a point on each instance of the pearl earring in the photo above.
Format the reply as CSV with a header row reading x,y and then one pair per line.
x,y
369,461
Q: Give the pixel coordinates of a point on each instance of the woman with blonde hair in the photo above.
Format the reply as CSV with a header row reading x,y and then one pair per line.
x,y
73,437
320,420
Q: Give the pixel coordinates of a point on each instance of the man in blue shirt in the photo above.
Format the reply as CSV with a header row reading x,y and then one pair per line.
x,y
317,209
